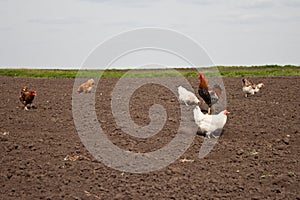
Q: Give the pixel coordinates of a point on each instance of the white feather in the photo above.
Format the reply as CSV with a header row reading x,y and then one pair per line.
x,y
248,90
209,123
186,96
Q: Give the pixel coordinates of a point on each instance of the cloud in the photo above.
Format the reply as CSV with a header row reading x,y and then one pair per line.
x,y
260,18
128,3
246,19
290,3
256,4
260,13
204,2
6,28
55,21
266,4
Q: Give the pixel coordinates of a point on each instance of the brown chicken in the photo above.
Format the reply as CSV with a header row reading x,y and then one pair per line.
x,y
27,97
210,96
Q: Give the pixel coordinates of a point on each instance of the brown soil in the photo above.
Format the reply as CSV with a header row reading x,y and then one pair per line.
x,y
257,156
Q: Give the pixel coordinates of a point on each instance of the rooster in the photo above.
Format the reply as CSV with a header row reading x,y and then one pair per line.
x,y
27,97
187,97
251,88
210,97
212,125
86,87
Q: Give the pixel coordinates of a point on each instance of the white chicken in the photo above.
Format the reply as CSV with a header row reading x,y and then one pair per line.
x,y
248,90
188,97
211,125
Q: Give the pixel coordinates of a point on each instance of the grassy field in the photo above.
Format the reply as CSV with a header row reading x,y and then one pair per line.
x,y
225,71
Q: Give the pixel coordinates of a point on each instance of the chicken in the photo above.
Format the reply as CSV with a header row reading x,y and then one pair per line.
x,y
211,96
86,87
251,88
189,98
248,87
27,97
248,90
211,125
258,87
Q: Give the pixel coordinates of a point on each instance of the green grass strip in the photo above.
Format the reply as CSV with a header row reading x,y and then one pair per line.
x,y
268,70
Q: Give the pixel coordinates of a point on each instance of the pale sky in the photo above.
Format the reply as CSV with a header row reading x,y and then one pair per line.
x,y
61,34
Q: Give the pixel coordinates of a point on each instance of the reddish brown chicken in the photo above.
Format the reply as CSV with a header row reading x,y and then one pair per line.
x,y
27,97
210,96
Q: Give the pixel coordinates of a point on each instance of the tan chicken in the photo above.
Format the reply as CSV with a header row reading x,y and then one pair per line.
x,y
86,87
